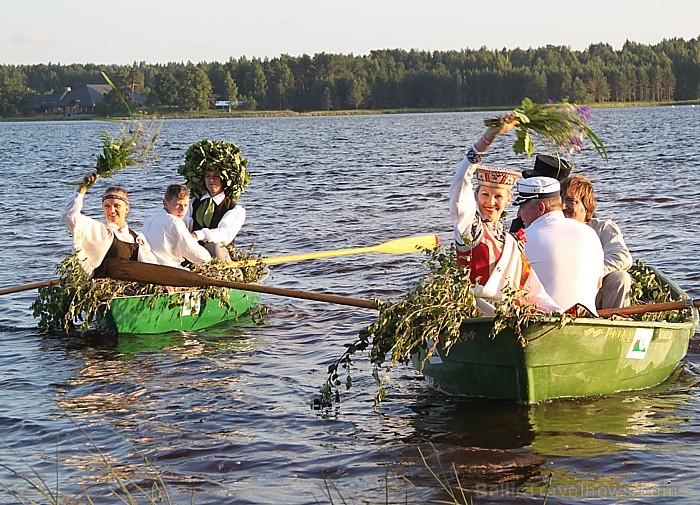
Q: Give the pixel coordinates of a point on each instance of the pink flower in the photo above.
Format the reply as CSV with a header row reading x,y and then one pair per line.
x,y
585,112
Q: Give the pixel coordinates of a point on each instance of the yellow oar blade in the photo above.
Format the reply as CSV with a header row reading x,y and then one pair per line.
x,y
408,244
315,255
397,246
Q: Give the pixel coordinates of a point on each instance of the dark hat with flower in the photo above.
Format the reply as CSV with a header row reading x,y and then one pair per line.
x,y
549,166
496,177
224,158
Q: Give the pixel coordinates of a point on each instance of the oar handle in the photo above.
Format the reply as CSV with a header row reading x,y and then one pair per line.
x,y
26,287
651,307
169,276
305,295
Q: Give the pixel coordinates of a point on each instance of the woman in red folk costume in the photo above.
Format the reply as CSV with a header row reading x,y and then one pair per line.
x,y
493,255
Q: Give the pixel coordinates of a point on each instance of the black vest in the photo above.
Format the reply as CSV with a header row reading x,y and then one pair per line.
x,y
121,250
219,211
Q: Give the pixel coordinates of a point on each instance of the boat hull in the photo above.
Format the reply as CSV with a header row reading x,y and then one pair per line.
x,y
584,358
160,314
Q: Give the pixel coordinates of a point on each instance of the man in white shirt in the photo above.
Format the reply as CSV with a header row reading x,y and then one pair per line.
x,y
579,203
566,254
215,219
166,232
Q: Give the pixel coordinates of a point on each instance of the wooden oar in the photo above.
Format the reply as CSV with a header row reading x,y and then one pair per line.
x,y
650,307
168,276
397,246
25,287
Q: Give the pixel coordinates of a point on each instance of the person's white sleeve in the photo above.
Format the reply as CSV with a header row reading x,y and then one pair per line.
x,y
91,238
188,247
229,226
537,295
72,210
73,214
462,202
145,253
617,255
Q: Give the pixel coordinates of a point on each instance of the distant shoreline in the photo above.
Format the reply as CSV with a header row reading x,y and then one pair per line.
x,y
218,114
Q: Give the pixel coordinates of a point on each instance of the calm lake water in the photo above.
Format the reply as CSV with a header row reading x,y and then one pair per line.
x,y
223,414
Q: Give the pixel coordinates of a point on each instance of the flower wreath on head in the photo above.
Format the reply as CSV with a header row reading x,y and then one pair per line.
x,y
224,158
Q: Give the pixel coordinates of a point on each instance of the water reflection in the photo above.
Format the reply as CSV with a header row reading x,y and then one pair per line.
x,y
502,449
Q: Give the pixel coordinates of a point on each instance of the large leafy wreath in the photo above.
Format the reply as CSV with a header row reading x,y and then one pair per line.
x,y
224,157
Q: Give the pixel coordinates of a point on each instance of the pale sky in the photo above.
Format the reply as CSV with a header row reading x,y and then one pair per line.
x,y
160,31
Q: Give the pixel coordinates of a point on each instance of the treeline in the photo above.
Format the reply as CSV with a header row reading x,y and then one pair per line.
x,y
386,79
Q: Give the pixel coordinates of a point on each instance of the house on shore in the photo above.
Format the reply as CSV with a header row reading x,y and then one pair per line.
x,y
82,100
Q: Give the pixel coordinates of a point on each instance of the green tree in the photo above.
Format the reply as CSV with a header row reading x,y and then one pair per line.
x,y
14,93
167,89
256,82
579,91
598,86
222,83
252,81
195,89
356,93
230,88
280,83
135,80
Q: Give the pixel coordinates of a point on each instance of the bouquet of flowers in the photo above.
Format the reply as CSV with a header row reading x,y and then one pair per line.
x,y
134,147
560,126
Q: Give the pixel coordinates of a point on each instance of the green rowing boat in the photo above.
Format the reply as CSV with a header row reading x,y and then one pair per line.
x,y
586,357
182,311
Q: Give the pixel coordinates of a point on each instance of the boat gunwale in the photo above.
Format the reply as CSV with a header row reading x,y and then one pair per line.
x,y
197,290
592,321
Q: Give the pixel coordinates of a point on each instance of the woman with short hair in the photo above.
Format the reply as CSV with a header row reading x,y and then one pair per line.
x,y
95,241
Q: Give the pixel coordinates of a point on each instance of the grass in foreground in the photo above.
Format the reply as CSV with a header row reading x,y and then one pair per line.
x,y
35,488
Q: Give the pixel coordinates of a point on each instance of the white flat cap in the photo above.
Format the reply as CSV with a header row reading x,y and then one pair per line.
x,y
536,187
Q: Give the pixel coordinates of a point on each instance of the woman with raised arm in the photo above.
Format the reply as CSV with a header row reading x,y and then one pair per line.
x,y
95,241
493,255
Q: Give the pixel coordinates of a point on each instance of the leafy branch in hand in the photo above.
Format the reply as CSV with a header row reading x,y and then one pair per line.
x,y
561,127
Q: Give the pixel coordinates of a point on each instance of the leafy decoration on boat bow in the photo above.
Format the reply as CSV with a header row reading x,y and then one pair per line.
x,y
429,315
646,288
76,301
